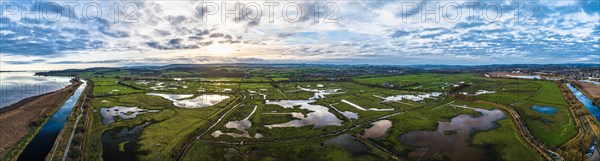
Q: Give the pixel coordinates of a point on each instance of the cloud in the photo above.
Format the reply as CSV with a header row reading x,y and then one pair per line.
x,y
373,31
16,62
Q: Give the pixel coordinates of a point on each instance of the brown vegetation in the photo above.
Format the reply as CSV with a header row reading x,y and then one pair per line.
x,y
590,90
23,118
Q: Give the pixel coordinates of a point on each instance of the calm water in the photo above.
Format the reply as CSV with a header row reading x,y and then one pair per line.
x,y
544,109
16,86
589,81
125,135
413,97
593,153
110,115
43,141
378,129
455,145
240,125
349,143
594,109
527,77
181,100
319,115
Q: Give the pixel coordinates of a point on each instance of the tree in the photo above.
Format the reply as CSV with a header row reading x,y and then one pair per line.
x,y
439,156
77,139
75,152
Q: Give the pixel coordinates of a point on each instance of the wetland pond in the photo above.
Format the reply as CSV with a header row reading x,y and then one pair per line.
x,y
319,115
348,143
110,115
350,115
181,100
453,138
120,144
411,97
378,129
525,76
544,109
240,125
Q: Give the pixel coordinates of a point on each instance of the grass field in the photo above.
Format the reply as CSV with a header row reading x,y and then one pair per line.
x,y
554,129
168,130
298,150
111,86
172,126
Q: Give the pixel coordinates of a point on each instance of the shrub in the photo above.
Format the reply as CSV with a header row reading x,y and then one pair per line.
x,y
75,152
77,139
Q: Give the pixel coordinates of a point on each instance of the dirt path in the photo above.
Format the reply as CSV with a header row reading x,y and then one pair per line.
x,y
199,135
514,115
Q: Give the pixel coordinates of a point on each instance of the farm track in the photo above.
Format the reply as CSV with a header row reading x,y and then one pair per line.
x,y
189,144
81,98
522,128
337,132
588,121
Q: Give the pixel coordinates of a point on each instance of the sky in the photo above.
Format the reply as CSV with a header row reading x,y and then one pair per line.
x,y
54,35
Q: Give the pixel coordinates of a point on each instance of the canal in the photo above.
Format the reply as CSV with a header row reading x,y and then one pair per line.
x,y
594,109
43,141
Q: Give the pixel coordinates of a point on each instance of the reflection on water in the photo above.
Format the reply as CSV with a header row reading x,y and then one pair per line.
x,y
171,97
43,141
120,144
110,114
479,92
320,116
589,81
594,109
364,109
16,86
319,93
525,76
349,143
235,135
452,138
204,100
378,129
241,125
350,115
544,109
254,92
415,98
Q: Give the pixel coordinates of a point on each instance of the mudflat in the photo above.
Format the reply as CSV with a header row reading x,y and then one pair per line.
x,y
21,118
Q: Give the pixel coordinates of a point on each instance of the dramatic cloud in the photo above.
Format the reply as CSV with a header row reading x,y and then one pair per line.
x,y
351,32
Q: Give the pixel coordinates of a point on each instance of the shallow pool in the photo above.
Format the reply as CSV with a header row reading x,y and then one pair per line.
x,y
545,109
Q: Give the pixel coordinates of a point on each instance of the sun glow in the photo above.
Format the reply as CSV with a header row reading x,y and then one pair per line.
x,y
219,49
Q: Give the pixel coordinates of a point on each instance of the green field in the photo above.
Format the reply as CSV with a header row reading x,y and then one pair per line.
x,y
554,129
171,127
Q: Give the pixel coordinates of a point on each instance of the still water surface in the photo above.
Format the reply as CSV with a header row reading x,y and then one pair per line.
x,y
43,141
16,86
594,109
453,138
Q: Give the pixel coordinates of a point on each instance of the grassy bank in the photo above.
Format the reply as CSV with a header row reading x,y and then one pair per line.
x,y
29,124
